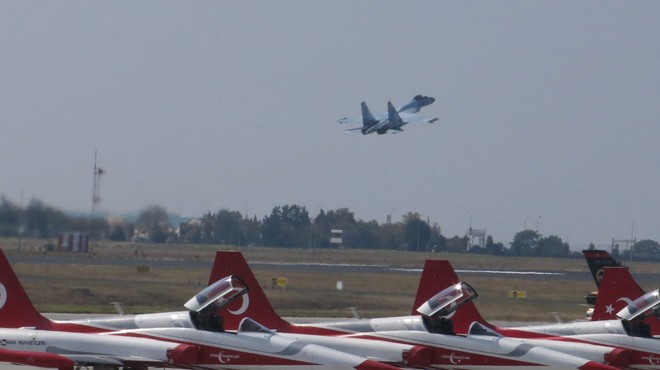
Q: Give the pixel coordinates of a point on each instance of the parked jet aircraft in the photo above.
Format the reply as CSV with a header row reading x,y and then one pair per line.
x,y
596,260
394,119
480,347
29,338
173,347
629,343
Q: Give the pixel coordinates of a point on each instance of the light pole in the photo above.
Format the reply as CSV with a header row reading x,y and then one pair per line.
x,y
632,238
537,223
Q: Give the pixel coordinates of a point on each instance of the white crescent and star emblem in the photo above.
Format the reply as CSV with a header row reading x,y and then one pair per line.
x,y
219,357
241,310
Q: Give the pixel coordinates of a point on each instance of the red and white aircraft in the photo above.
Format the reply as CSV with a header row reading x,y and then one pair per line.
x,y
628,347
616,289
479,348
27,337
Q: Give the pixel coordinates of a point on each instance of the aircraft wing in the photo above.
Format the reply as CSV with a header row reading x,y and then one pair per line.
x,y
33,358
416,118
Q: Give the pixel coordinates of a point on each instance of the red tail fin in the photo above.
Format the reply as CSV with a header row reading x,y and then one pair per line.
x,y
16,310
617,289
597,260
254,304
436,276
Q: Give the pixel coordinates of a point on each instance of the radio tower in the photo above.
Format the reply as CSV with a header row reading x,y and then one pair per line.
x,y
96,190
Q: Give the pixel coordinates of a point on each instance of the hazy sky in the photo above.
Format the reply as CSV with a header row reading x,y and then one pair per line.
x,y
548,110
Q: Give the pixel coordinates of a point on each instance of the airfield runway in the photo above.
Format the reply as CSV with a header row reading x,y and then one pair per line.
x,y
322,267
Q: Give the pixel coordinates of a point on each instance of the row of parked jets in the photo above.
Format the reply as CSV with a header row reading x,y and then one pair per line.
x,y
231,324
395,118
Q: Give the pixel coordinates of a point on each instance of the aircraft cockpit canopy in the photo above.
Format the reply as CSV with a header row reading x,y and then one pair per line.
x,y
248,325
418,97
477,328
448,300
642,307
217,295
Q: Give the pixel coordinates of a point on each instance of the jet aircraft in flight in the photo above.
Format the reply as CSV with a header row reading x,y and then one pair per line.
x,y
394,119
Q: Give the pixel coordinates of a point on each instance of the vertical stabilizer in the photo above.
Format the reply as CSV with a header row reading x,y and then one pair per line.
x,y
254,304
617,289
596,260
16,309
368,119
436,276
395,121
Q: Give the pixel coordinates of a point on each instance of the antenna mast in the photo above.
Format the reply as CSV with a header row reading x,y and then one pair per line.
x,y
96,189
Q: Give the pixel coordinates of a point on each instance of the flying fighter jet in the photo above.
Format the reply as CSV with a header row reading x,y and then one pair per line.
x,y
407,113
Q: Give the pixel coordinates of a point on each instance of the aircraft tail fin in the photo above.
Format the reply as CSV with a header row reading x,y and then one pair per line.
x,y
617,289
394,118
596,260
436,276
254,304
368,119
16,309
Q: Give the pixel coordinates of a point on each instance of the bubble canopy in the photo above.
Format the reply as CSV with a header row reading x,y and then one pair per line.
x,y
217,295
642,307
448,300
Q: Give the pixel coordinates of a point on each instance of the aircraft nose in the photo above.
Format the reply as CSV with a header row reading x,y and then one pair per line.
x,y
431,99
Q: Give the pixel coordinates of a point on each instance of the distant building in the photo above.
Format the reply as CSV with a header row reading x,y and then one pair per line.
x,y
73,242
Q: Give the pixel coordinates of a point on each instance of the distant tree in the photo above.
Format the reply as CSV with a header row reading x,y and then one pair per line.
x,y
364,235
551,246
391,236
457,244
10,217
496,249
416,232
524,242
44,221
286,226
437,242
647,246
117,233
156,222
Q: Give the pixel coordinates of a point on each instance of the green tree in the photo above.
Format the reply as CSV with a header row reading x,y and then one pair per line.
x,y
286,226
416,232
551,246
457,244
647,246
524,242
155,221
10,217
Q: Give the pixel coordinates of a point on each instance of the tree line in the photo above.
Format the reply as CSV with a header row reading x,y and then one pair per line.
x,y
285,227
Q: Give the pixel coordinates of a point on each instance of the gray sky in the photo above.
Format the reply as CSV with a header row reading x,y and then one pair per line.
x,y
548,110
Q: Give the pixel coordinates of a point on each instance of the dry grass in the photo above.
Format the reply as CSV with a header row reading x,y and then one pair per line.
x,y
90,288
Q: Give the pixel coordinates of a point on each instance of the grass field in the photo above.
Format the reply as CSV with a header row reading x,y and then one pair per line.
x,y
91,288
